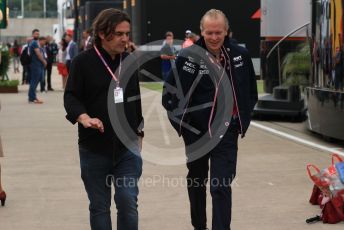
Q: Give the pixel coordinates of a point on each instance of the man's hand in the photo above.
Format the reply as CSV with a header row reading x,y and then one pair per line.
x,y
167,57
89,122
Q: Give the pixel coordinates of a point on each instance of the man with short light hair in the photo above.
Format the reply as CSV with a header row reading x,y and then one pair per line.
x,y
219,53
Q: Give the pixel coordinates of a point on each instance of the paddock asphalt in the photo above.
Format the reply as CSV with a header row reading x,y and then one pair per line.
x,y
41,172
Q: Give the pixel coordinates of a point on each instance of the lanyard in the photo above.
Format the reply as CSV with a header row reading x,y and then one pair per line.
x,y
218,66
217,84
108,68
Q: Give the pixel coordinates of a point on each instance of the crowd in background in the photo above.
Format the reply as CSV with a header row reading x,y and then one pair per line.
x,y
38,55
44,53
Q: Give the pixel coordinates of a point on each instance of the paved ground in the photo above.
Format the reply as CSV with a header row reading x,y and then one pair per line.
x,y
42,178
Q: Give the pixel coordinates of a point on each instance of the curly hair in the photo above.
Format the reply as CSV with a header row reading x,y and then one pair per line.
x,y
106,22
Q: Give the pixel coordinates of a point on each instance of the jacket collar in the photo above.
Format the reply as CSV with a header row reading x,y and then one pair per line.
x,y
107,56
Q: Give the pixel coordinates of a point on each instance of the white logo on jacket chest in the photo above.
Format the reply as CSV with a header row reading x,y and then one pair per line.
x,y
238,58
203,69
238,65
189,67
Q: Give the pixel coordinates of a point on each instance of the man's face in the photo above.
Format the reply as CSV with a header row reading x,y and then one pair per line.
x,y
42,42
169,40
214,33
49,39
85,35
68,38
35,35
116,43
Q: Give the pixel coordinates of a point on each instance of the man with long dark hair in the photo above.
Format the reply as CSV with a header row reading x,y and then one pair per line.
x,y
102,154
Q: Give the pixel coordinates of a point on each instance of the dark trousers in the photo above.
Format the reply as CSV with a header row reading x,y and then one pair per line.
x,y
165,75
42,82
26,74
99,172
68,62
223,159
48,70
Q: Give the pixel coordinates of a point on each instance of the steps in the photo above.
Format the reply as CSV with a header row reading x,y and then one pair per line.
x,y
285,101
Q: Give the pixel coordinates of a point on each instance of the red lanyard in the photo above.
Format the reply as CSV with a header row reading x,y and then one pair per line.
x,y
108,68
219,67
217,84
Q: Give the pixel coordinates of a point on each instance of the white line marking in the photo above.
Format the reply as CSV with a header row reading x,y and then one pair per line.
x,y
161,116
299,140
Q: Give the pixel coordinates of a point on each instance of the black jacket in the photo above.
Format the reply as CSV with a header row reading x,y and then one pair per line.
x,y
87,92
188,65
51,49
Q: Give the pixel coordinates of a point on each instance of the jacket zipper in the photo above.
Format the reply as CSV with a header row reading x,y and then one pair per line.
x,y
234,93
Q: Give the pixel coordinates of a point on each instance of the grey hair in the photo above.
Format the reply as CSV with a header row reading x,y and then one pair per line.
x,y
214,14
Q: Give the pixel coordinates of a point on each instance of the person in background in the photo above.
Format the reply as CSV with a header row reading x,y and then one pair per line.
x,y
26,68
190,40
51,50
187,32
2,192
187,41
9,46
71,51
86,42
37,66
16,50
61,61
167,54
42,41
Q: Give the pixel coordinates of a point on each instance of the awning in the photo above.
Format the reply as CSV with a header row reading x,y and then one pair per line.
x,y
256,15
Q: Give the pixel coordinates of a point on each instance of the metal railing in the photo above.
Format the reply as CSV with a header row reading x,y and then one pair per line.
x,y
276,46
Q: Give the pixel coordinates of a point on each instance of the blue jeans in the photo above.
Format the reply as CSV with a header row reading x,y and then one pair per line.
x,y
98,172
36,75
165,75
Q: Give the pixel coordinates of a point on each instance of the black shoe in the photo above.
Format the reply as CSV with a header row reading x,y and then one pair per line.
x,y
50,89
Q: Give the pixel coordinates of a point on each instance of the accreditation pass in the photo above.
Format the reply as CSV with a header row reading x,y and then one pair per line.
x,y
118,95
